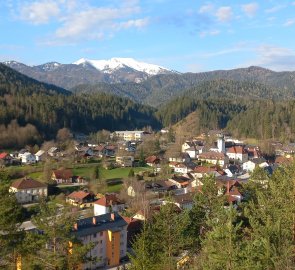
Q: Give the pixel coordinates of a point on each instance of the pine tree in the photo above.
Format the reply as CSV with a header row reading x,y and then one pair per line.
x,y
271,219
221,246
11,236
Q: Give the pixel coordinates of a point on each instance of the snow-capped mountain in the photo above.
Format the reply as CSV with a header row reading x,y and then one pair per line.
x,y
91,72
114,64
49,66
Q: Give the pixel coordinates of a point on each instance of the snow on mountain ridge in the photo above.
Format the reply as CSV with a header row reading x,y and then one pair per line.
x,y
117,63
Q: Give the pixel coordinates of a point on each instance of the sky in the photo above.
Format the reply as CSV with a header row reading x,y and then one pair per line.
x,y
183,35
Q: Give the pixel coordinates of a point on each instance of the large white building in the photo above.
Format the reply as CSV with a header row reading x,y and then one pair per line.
x,y
108,234
127,135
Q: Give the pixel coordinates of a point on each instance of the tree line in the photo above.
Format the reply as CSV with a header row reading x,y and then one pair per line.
x,y
258,233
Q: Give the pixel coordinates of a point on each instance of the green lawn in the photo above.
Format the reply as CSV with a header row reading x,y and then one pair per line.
x,y
120,172
114,188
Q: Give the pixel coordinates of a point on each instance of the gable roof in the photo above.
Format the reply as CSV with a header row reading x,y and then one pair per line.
x,y
236,150
27,183
108,200
63,173
79,195
152,159
40,153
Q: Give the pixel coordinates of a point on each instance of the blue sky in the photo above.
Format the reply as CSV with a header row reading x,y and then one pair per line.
x,y
182,35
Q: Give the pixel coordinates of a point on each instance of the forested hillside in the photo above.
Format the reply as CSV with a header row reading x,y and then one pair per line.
x,y
159,89
47,109
242,117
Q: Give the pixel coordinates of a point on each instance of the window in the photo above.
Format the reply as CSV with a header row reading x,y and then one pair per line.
x,y
94,235
101,234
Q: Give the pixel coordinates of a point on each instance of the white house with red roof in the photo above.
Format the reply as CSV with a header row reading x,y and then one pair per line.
x,y
215,158
237,153
28,190
5,159
107,204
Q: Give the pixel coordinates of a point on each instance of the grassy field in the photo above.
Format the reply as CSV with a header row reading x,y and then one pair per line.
x,y
113,176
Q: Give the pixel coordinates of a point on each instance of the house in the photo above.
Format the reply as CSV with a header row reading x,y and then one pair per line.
x,y
5,159
99,150
237,153
180,182
215,158
28,190
193,152
125,161
250,165
108,235
21,153
141,215
134,227
182,157
152,161
136,135
107,204
53,151
160,186
110,150
136,188
202,171
40,155
192,148
81,199
84,151
28,158
62,176
232,190
182,168
184,201
253,151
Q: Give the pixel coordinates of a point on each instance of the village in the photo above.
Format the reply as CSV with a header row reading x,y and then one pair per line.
x,y
114,187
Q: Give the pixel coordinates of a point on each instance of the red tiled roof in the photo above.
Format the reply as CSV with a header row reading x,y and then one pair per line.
x,y
108,200
27,183
151,159
63,174
236,150
78,195
203,169
3,155
99,147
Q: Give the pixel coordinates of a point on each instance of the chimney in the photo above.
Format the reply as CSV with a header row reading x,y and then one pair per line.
x,y
112,216
227,187
76,226
94,220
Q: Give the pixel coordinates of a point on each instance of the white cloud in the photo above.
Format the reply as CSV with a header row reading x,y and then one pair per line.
x,y
224,14
78,20
274,58
275,9
97,23
250,9
40,12
209,33
139,23
289,22
206,8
